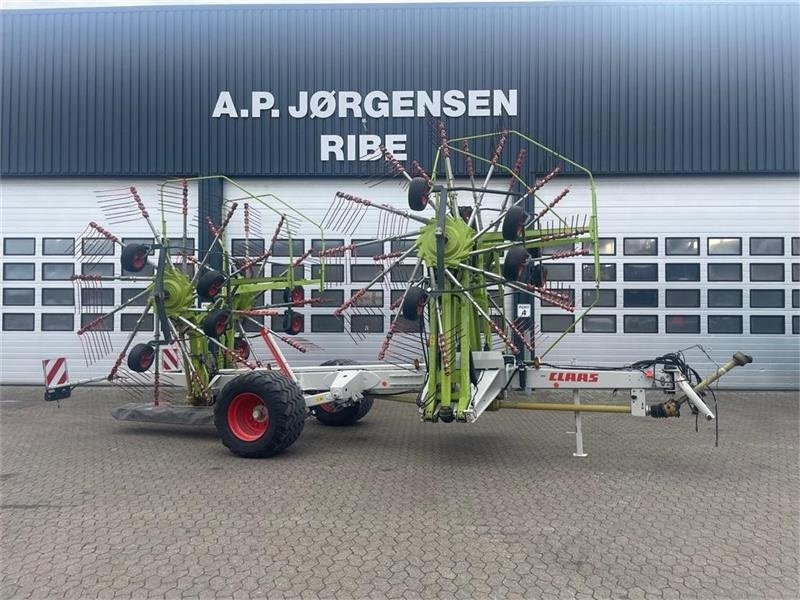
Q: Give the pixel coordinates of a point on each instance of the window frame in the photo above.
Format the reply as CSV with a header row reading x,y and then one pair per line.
x,y
50,315
27,290
770,264
724,264
19,314
17,239
19,264
737,238
771,238
625,328
694,319
625,241
667,249
586,319
65,253
626,278
710,328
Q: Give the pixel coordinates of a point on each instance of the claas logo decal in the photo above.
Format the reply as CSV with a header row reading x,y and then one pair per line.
x,y
573,376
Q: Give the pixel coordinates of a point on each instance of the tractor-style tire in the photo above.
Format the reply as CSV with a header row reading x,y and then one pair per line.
x,y
347,415
259,414
210,285
418,190
514,263
134,257
216,322
414,303
514,223
141,357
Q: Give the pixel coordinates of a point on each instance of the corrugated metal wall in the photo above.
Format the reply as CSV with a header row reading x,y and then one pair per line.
x,y
621,88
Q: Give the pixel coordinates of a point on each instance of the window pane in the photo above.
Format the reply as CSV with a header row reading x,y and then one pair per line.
x,y
281,248
102,269
97,297
766,272
796,324
724,324
178,245
605,298
767,324
58,297
795,271
19,296
253,323
57,271
682,272
326,324
368,250
681,298
682,323
19,246
683,246
18,271
366,323
318,244
559,248
372,298
766,246
557,323
128,293
731,246
282,271
605,246
245,247
128,322
106,324
640,272
608,272
58,246
767,299
795,298
569,293
724,298
402,273
17,321
640,246
333,273
333,298
58,322
724,272
562,272
97,247
640,324
599,324
639,298
795,246
364,272
402,246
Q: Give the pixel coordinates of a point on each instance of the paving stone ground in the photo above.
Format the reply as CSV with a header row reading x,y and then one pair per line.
x,y
394,508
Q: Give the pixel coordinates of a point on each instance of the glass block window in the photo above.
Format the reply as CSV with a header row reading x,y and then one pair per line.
x,y
57,271
373,298
58,246
129,293
368,250
560,272
137,240
364,273
640,324
682,298
599,324
795,298
97,247
640,246
366,324
724,272
326,324
725,246
767,299
559,248
19,246
682,271
106,324
19,272
128,322
640,272
333,273
569,293
557,323
605,246
281,248
279,270
608,272
724,298
766,246
19,296
682,323
795,246
97,297
640,298
244,247
102,269
402,246
402,273
724,323
683,246
766,272
606,298
767,324
329,298
58,297
18,321
58,321
318,244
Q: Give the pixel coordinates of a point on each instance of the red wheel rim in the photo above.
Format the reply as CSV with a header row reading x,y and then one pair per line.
x,y
329,407
242,350
297,295
421,305
139,260
248,417
146,359
213,289
297,324
221,324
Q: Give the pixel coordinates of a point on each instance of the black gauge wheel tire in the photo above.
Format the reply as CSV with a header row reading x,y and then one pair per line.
x,y
418,190
342,416
514,263
210,285
514,223
134,257
216,322
414,303
141,357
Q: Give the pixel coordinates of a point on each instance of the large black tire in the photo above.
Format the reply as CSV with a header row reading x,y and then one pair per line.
x,y
418,190
514,223
210,285
140,357
414,303
293,322
342,417
216,322
252,437
134,257
514,263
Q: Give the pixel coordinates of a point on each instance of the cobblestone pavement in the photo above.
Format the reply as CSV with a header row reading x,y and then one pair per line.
x,y
394,508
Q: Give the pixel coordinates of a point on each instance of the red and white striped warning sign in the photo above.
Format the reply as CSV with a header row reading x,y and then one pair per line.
x,y
170,359
55,372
